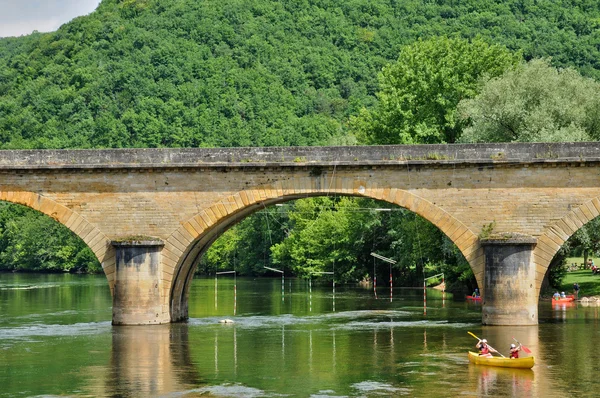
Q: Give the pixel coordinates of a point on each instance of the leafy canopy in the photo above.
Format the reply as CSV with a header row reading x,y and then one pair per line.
x,y
534,103
189,73
420,91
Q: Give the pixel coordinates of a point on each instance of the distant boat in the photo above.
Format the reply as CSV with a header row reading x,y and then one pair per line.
x,y
476,298
521,363
563,300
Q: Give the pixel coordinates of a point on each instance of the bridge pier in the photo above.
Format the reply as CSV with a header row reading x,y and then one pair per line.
x,y
137,296
510,294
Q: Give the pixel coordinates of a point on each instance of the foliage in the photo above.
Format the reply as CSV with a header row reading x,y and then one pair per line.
x,y
31,241
326,236
187,73
315,236
420,91
585,241
557,270
487,230
246,246
534,103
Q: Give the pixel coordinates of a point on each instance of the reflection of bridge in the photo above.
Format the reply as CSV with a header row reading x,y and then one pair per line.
x,y
149,214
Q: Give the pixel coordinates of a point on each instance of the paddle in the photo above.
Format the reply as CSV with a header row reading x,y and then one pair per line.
x,y
491,348
527,350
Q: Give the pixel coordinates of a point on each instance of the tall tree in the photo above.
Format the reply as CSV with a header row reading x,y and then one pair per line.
x,y
420,91
534,103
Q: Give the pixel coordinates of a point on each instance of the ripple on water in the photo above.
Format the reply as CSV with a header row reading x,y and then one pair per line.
x,y
229,390
250,321
289,319
39,330
357,325
27,287
377,388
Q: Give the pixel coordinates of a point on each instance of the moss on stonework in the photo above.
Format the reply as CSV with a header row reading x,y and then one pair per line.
x,y
137,239
506,237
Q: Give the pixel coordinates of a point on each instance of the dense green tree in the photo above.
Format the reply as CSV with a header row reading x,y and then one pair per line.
x,y
246,247
585,242
327,236
317,236
31,241
179,73
534,103
420,91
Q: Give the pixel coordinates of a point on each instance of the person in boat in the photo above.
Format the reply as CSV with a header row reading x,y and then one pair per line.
x,y
476,293
514,351
484,348
556,296
562,295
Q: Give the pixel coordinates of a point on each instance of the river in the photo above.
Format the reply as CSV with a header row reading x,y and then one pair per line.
x,y
304,340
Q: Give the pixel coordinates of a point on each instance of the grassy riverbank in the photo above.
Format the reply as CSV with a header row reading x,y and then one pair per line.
x,y
589,284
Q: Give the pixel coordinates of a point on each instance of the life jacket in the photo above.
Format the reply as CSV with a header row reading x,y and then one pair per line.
x,y
483,349
514,354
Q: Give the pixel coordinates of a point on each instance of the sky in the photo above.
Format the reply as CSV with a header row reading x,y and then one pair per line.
x,y
21,17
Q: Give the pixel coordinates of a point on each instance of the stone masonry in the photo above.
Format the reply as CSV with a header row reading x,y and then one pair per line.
x,y
162,208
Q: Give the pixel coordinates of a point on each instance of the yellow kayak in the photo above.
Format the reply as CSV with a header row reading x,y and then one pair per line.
x,y
521,363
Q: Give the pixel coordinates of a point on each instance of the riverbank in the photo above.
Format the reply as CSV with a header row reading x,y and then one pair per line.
x,y
589,284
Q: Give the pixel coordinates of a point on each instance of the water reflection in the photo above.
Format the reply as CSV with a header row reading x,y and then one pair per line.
x,y
503,382
559,310
150,360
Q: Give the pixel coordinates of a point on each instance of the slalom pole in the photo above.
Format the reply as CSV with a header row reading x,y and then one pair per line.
x,y
333,280
443,292
282,281
424,298
234,293
374,281
334,295
391,284
310,294
234,288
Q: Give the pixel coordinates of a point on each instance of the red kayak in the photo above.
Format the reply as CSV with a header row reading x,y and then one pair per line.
x,y
563,300
473,298
567,299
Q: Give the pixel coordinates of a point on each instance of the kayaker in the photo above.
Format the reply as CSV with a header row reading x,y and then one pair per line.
x,y
514,351
476,292
562,295
484,349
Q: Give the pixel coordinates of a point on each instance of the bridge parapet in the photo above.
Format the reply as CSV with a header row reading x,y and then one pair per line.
x,y
442,154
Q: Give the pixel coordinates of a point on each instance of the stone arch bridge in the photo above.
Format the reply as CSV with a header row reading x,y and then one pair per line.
x,y
149,214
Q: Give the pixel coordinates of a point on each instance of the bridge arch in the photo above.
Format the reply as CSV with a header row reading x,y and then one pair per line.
x,y
555,235
91,236
184,247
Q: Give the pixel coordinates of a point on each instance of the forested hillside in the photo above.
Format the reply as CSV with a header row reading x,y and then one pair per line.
x,y
178,73
190,73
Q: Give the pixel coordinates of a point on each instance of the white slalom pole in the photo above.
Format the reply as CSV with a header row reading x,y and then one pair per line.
x,y
391,284
424,298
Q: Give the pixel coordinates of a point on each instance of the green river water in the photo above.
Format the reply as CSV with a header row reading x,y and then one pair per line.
x,y
56,339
